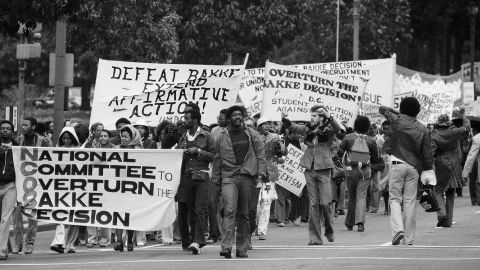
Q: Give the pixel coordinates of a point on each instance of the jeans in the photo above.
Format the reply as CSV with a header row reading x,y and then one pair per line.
x,y
8,199
252,209
375,190
283,205
358,181
197,204
403,185
319,193
213,200
445,204
236,192
338,192
183,224
18,229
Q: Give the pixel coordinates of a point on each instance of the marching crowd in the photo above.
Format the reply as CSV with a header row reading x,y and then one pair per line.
x,y
228,191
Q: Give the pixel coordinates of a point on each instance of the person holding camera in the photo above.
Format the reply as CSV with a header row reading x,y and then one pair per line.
x,y
318,164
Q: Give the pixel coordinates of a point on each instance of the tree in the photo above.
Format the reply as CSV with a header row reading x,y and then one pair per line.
x,y
383,26
212,28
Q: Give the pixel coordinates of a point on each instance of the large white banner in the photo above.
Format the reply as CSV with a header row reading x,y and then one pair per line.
x,y
294,91
156,92
377,74
436,94
113,188
290,173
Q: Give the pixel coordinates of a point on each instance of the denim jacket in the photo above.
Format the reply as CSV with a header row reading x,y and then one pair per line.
x,y
198,162
410,141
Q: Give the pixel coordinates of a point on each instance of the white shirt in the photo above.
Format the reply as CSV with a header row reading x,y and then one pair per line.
x,y
192,138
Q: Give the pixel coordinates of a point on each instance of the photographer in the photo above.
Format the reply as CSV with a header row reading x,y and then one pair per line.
x,y
318,165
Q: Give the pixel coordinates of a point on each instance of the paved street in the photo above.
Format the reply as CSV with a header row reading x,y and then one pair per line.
x,y
435,248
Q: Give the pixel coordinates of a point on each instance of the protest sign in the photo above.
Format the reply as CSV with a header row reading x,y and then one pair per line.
x,y
372,112
112,188
468,94
294,91
377,74
290,173
436,94
251,90
156,92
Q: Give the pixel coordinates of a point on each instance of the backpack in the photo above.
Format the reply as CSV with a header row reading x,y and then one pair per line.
x,y
359,153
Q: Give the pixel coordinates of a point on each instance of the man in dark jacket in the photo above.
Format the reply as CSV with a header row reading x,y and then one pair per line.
x,y
411,153
358,176
8,192
199,151
239,160
447,154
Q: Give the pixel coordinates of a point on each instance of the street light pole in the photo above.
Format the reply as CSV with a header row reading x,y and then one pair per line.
x,y
473,15
338,29
356,26
60,44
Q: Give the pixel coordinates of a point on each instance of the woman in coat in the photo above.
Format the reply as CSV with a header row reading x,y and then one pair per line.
x,y
130,139
448,168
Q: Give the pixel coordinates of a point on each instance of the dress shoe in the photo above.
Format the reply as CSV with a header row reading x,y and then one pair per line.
x,y
361,227
129,246
3,257
241,254
350,228
72,250
227,253
57,248
341,212
262,237
281,224
311,243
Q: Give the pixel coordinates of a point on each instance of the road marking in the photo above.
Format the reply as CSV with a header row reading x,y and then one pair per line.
x,y
434,259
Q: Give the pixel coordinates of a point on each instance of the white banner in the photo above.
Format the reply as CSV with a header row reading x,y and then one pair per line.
x,y
377,74
251,90
294,91
112,188
436,94
156,92
290,173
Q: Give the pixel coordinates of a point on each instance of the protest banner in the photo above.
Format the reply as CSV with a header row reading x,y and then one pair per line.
x,y
377,74
436,94
112,188
251,90
156,92
290,173
294,91
372,112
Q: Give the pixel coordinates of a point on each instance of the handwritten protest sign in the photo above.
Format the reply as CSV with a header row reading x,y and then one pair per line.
x,y
372,112
156,92
377,74
114,188
251,90
290,173
294,91
436,94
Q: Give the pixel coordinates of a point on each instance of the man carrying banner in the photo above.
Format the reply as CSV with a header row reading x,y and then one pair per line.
x,y
199,151
28,138
411,153
239,160
8,191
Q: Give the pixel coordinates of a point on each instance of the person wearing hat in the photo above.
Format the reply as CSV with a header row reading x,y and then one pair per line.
x,y
273,151
447,156
142,127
